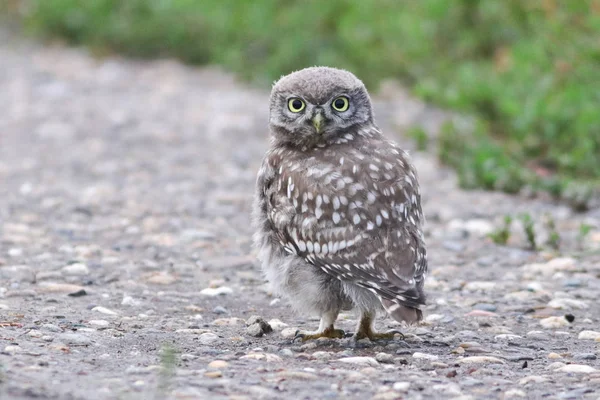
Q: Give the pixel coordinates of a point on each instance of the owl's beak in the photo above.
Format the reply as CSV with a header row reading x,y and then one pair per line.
x,y
317,121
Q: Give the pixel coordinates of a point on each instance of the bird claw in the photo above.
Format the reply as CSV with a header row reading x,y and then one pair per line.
x,y
327,333
390,335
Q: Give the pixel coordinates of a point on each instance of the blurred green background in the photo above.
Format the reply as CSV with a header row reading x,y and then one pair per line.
x,y
528,72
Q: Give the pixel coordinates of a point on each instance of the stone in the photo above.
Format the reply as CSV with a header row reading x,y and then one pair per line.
x,y
425,356
213,374
161,279
98,322
277,324
262,357
551,267
401,386
532,379
104,310
220,310
480,360
52,287
589,335
228,321
219,291
568,304
483,286
514,393
508,337
384,358
289,333
577,369
297,375
208,338
370,361
75,339
77,269
554,322
257,327
218,364
585,356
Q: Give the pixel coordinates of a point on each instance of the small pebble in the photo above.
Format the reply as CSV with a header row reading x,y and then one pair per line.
x,y
589,335
577,368
384,358
480,360
218,364
77,269
360,361
425,356
104,310
208,338
219,291
401,386
220,310
554,322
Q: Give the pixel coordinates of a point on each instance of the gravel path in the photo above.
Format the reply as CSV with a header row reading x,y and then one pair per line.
x,y
126,269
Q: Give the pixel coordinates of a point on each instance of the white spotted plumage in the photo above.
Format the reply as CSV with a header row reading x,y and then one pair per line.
x,y
350,208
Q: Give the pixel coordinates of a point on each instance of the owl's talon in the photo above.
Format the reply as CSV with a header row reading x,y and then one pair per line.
x,y
327,333
390,335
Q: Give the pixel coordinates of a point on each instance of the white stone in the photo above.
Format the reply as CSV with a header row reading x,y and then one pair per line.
x,y
262,357
104,310
425,356
401,386
480,286
13,349
577,368
277,324
289,333
370,361
77,269
589,335
554,322
555,365
512,393
507,336
532,379
130,301
212,292
434,317
480,360
567,304
551,267
208,338
98,322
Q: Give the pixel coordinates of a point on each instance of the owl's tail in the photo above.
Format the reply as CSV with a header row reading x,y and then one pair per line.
x,y
401,313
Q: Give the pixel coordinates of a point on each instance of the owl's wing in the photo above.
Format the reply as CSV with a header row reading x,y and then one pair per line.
x,y
359,222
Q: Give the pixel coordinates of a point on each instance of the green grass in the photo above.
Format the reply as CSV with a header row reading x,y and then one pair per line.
x,y
528,72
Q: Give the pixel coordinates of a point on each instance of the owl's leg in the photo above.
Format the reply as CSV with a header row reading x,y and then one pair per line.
x,y
326,329
365,329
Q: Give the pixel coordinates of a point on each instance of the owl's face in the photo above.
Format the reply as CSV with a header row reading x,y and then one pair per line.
x,y
317,104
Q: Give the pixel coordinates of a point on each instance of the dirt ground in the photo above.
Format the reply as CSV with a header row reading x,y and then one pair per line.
x,y
126,269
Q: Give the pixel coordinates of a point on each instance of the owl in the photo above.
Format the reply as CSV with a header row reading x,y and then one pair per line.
x,y
337,211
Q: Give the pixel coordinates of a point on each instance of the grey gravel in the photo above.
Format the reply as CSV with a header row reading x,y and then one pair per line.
x,y
132,181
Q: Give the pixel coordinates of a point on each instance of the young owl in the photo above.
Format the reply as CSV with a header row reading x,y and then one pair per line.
x,y
338,208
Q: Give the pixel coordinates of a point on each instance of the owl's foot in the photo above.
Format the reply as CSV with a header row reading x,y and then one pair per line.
x,y
365,329
390,335
330,333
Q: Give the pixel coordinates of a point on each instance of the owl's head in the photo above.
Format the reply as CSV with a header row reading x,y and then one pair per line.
x,y
317,104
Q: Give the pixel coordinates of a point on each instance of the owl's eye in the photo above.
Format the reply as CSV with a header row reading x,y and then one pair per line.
x,y
340,104
296,105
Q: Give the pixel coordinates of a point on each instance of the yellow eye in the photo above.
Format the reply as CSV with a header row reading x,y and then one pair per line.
x,y
296,105
340,104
